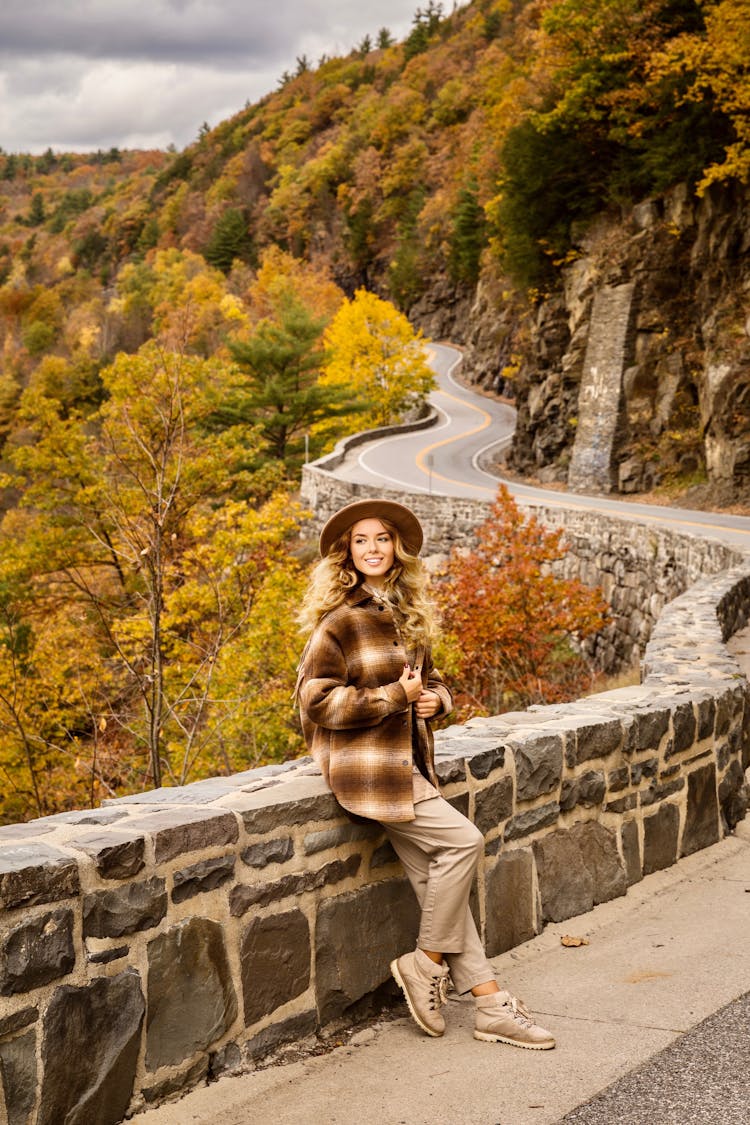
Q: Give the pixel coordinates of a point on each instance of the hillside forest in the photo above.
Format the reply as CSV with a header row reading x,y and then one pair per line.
x,y
180,330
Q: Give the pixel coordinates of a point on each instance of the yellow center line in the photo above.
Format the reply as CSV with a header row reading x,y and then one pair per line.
x,y
564,502
419,459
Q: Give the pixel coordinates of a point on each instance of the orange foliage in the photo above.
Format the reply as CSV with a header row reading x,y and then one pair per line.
x,y
514,626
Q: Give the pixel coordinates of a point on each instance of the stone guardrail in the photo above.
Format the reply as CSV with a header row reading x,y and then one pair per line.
x,y
184,933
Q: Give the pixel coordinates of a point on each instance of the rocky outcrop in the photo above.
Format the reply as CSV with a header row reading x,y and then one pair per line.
x,y
686,386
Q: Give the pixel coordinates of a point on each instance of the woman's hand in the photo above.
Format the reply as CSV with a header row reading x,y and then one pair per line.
x,y
428,704
411,683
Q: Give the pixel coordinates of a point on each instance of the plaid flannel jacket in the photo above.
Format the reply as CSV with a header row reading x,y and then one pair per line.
x,y
355,716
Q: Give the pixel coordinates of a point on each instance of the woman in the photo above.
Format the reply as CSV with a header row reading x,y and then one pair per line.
x,y
367,692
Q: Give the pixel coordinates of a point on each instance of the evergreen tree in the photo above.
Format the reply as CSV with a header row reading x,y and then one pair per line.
x,y
468,235
230,240
37,213
281,363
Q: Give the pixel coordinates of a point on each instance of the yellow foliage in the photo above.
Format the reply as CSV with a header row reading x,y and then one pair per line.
x,y
378,355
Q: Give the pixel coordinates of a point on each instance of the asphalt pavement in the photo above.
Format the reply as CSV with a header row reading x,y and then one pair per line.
x,y
650,1018
448,459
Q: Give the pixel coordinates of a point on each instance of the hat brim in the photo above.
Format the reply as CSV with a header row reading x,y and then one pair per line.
x,y
409,527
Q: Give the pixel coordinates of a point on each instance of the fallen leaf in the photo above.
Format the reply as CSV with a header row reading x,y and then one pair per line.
x,y
573,942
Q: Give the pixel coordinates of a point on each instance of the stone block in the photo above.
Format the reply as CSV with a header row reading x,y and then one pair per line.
x,y
277,1034
107,956
460,802
733,797
90,1051
702,819
333,837
531,821
706,717
482,762
357,936
176,1083
656,793
82,816
124,910
275,958
538,766
33,873
295,802
450,769
596,741
725,705
115,854
622,804
683,727
493,805
646,769
18,1078
36,952
566,885
226,1062
268,851
17,1020
601,857
660,832
588,790
631,852
618,779
179,830
199,878
191,997
242,897
14,833
509,901
646,730
383,855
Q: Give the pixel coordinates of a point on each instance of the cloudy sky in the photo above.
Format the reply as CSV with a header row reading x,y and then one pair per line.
x,y
79,75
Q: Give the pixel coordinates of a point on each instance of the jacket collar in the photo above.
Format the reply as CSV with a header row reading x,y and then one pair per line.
x,y
358,595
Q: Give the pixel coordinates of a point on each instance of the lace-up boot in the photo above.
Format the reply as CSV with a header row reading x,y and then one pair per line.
x,y
424,985
501,1018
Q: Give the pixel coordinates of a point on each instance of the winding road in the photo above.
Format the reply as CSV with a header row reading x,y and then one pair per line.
x,y
445,459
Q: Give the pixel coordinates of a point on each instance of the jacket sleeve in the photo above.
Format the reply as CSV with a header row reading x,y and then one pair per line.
x,y
332,702
436,683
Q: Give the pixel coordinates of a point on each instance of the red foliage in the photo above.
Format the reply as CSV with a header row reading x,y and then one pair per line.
x,y
515,626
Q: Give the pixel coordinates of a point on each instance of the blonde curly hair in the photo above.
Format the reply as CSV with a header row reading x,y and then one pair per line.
x,y
334,576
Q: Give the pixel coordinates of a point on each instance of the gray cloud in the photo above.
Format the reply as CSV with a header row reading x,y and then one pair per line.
x,y
83,74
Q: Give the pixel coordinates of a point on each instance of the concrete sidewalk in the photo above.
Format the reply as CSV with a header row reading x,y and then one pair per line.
x,y
662,959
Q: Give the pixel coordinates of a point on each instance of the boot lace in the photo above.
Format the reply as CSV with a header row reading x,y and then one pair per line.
x,y
439,992
520,1012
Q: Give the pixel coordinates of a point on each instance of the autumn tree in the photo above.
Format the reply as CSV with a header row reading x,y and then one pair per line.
x,y
514,627
136,526
709,65
377,357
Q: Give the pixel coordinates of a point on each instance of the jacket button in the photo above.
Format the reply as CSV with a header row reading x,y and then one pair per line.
x,y
396,643
405,762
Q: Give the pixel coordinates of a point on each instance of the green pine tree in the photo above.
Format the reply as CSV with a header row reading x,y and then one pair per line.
x,y
230,240
281,364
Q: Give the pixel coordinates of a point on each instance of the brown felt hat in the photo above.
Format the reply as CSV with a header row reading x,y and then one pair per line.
x,y
409,527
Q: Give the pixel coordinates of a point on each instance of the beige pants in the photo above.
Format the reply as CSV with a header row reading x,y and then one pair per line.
x,y
439,851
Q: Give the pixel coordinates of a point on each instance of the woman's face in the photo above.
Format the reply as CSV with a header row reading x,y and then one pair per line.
x,y
372,552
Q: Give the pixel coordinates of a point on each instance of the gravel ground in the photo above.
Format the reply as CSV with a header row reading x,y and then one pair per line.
x,y
701,1079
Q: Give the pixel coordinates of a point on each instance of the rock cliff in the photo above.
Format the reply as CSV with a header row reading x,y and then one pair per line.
x,y
682,399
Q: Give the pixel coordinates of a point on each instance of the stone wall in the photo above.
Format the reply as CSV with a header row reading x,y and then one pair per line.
x,y
184,933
